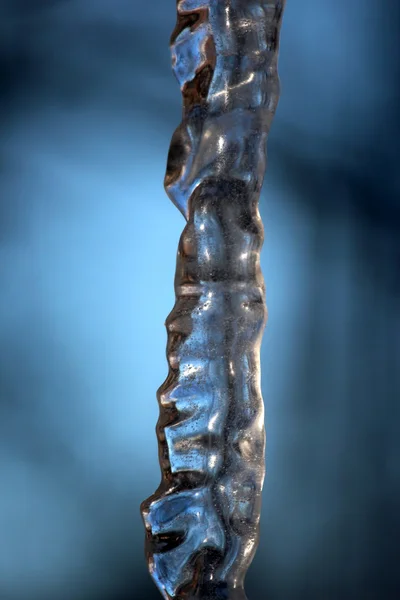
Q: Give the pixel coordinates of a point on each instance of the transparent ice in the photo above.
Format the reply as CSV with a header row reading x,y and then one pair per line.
x,y
202,523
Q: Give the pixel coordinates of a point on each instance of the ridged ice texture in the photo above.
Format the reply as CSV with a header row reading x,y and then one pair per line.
x,y
202,524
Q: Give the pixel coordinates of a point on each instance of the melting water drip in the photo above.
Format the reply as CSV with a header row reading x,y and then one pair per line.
x,y
202,523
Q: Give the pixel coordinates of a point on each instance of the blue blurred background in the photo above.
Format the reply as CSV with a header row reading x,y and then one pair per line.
x,y
88,239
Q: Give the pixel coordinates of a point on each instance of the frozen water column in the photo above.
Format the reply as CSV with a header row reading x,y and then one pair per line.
x,y
202,523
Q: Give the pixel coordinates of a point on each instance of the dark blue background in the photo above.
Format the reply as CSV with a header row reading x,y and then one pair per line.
x,y
88,239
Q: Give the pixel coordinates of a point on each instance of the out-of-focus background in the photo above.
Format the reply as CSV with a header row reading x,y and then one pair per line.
x,y
88,239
